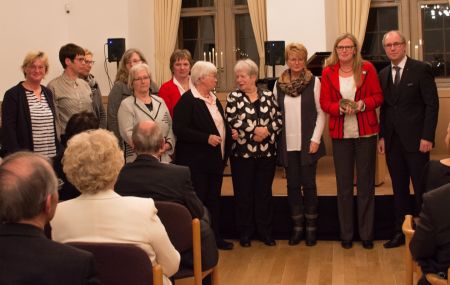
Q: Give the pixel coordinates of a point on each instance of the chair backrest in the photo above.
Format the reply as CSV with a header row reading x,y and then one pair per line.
x,y
177,220
411,266
122,263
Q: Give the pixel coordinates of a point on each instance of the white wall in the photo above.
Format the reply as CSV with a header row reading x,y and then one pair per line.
x,y
44,25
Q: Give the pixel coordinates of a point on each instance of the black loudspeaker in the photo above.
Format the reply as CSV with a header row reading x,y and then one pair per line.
x,y
116,48
274,52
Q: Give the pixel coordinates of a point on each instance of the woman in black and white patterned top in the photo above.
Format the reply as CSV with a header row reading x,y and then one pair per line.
x,y
28,113
254,114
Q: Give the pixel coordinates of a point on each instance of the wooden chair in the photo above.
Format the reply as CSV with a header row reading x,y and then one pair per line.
x,y
435,279
411,266
119,263
184,233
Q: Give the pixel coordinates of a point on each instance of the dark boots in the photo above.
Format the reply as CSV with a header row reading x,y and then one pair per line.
x,y
298,230
311,226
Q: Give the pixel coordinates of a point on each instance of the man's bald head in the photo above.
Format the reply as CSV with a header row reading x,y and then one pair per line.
x,y
147,138
26,180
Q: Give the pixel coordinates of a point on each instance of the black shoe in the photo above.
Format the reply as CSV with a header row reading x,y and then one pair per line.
x,y
396,241
245,242
296,237
269,241
347,244
310,242
224,245
367,244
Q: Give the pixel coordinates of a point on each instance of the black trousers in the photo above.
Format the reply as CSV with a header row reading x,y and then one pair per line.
x,y
252,185
404,167
301,183
208,187
347,153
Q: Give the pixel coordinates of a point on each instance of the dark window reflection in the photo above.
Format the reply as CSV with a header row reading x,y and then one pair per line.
x,y
245,39
196,3
196,34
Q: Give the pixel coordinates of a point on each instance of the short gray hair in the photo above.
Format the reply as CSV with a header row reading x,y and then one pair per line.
x,y
147,139
201,69
248,66
135,69
402,37
26,180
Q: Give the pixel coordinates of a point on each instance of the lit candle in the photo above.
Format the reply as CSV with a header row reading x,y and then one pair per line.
x,y
213,62
420,50
221,59
209,56
215,59
416,52
204,56
409,48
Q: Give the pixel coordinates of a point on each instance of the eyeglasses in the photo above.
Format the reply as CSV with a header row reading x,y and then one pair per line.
x,y
89,62
342,48
393,45
134,61
143,78
80,59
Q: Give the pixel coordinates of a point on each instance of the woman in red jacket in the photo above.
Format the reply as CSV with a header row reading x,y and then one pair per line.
x,y
350,94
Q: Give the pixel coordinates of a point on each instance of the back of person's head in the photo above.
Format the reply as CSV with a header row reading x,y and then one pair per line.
x,y
79,123
26,180
147,138
69,51
92,160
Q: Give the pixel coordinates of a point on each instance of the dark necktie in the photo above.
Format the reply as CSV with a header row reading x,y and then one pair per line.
x,y
397,75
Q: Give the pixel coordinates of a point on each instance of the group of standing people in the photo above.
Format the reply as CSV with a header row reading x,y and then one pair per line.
x,y
257,129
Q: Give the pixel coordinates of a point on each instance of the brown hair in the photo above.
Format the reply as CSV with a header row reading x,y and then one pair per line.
x,y
180,54
122,72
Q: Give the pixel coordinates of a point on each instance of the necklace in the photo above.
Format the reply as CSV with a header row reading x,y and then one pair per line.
x,y
346,71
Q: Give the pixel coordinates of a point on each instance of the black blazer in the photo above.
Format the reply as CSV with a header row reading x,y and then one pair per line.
x,y
192,125
148,178
430,244
412,111
16,119
28,257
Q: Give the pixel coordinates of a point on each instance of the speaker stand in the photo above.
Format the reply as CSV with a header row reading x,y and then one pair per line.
x,y
273,71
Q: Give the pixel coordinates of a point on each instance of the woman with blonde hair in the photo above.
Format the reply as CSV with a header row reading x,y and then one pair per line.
x,y
299,144
350,94
92,161
120,90
28,111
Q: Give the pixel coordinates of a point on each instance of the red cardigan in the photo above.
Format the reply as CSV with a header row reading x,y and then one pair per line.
x,y
369,91
170,94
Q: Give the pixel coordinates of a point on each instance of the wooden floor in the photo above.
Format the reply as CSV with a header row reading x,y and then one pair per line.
x,y
327,263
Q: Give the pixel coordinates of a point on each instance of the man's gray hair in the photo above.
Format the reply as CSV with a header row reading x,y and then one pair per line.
x,y
147,139
402,37
25,183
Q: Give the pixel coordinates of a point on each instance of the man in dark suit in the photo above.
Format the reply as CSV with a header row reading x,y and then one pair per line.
x,y
408,119
150,178
430,244
28,199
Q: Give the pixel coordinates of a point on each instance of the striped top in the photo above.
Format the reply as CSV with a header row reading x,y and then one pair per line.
x,y
42,125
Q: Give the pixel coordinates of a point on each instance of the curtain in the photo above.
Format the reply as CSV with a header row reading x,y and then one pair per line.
x,y
353,15
258,16
167,19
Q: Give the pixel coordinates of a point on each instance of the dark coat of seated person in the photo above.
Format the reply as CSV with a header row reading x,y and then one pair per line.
x,y
78,123
28,200
148,177
430,244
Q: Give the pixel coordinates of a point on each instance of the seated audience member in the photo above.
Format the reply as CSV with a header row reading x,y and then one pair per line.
x,y
437,172
78,123
28,199
97,103
92,161
28,112
430,244
148,177
180,65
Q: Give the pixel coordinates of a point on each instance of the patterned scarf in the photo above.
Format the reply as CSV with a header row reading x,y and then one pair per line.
x,y
294,88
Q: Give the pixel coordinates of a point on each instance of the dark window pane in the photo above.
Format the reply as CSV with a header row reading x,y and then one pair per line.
x,y
196,3
245,39
381,20
436,37
196,34
240,2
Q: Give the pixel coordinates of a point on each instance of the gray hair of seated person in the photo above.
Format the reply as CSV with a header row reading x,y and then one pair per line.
x,y
202,69
26,180
148,139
